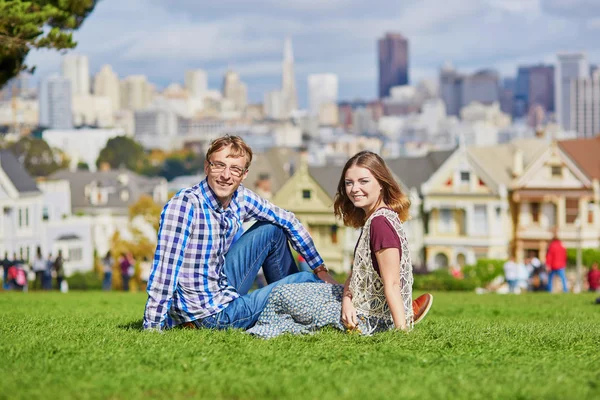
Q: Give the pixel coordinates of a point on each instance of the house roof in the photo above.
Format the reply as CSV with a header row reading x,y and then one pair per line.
x,y
115,181
277,163
584,152
414,171
497,161
21,180
327,177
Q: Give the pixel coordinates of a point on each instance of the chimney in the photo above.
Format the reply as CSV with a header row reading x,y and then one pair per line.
x,y
517,167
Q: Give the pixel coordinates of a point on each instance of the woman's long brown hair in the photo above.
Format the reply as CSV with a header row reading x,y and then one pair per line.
x,y
392,195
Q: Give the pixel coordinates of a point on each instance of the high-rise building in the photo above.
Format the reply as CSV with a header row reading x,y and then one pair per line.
x,y
55,103
534,86
570,66
76,68
451,89
273,105
289,96
322,91
393,62
136,92
235,90
482,87
106,83
541,87
196,82
585,105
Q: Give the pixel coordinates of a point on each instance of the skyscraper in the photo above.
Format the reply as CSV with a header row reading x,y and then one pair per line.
x,y
585,105
451,89
570,66
235,90
393,62
106,83
196,82
322,90
288,80
136,92
482,87
55,103
76,68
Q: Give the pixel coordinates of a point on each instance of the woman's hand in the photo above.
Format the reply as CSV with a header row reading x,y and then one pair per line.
x,y
349,318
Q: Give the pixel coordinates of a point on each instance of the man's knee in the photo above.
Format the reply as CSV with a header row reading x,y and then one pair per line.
x,y
269,229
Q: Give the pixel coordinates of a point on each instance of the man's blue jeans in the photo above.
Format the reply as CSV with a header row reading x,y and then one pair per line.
x,y
263,245
563,278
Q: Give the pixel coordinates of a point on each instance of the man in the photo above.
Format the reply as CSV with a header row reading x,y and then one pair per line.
x,y
556,262
204,266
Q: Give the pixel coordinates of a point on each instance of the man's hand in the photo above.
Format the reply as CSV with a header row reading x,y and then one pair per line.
x,y
325,277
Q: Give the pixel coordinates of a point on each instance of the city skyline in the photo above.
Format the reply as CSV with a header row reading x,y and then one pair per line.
x,y
339,37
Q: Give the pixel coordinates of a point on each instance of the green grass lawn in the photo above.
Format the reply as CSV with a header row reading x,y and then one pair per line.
x,y
89,345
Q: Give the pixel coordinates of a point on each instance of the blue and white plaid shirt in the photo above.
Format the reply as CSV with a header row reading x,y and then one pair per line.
x,y
187,280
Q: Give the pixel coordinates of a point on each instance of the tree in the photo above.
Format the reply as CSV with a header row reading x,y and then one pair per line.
x,y
122,151
36,156
147,208
37,24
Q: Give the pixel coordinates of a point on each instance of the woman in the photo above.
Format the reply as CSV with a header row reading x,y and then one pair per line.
x,y
107,265
377,295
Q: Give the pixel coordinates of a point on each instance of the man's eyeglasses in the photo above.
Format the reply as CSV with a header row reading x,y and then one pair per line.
x,y
234,170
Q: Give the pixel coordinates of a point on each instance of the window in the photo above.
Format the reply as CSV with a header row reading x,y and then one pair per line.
x,y
27,216
445,220
75,254
334,234
572,210
124,195
20,217
556,171
590,211
45,214
465,177
535,212
306,194
480,220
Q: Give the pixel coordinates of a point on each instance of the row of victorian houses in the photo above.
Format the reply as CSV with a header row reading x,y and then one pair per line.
x,y
467,203
75,212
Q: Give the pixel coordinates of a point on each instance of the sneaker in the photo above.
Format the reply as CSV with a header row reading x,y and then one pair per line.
x,y
421,306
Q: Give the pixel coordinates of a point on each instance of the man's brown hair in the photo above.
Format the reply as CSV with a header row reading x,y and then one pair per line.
x,y
239,148
391,193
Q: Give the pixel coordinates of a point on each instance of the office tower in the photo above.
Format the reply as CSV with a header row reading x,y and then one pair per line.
x,y
585,106
55,103
569,67
106,83
322,90
482,87
451,89
196,82
289,96
393,62
76,68
541,87
273,105
521,98
235,90
136,92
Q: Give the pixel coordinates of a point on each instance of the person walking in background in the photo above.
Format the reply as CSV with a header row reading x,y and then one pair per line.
x,y
511,274
126,264
6,264
49,267
59,269
593,278
107,265
556,262
39,268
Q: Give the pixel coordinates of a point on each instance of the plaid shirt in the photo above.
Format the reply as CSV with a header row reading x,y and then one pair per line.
x,y
187,280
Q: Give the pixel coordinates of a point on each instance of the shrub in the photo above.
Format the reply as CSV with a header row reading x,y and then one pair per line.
x,y
588,256
478,275
84,281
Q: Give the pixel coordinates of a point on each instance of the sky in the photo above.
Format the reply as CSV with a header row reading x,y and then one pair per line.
x,y
163,38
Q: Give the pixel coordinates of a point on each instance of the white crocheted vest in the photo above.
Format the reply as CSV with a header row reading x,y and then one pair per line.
x,y
366,285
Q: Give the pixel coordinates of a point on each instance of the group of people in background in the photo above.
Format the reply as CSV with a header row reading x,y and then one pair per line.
x,y
126,267
533,275
46,270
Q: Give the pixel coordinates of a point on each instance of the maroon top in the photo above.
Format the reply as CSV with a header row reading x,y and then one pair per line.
x,y
383,236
